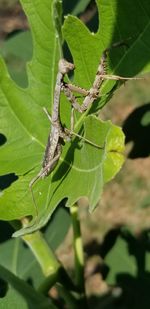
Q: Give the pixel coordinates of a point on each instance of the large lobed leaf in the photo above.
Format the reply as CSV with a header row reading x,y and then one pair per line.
x,y
83,169
119,21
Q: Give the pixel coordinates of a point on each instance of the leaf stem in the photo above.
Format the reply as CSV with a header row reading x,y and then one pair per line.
x,y
42,252
70,300
51,267
78,248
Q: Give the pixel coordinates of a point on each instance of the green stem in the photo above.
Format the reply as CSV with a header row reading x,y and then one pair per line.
x,y
42,252
62,278
51,267
78,248
70,300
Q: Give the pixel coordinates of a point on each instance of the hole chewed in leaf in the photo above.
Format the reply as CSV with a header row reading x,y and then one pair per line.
x,y
3,288
7,180
3,139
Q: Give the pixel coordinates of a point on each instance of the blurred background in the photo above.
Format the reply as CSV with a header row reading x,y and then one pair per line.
x,y
116,236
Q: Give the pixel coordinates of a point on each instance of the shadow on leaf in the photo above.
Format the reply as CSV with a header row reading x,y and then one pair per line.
x,y
137,129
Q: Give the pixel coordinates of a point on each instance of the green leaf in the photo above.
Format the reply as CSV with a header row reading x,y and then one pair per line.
x,y
80,163
20,294
22,106
18,259
129,268
16,58
119,21
145,120
119,261
83,169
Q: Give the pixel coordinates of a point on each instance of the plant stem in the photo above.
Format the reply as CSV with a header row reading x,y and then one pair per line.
x,y
62,278
78,248
51,267
42,253
70,300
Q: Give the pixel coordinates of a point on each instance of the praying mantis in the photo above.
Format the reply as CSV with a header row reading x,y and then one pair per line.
x,y
58,134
